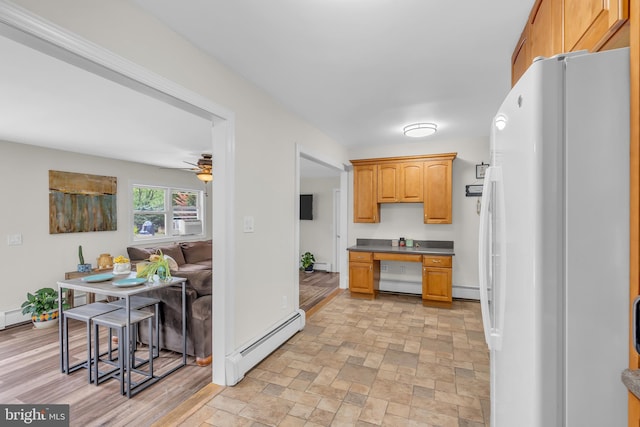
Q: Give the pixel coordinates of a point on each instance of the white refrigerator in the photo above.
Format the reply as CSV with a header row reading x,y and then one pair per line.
x,y
553,246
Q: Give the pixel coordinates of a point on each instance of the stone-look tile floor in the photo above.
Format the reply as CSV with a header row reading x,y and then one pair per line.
x,y
388,362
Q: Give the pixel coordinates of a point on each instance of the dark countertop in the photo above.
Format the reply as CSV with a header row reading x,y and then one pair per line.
x,y
420,247
631,378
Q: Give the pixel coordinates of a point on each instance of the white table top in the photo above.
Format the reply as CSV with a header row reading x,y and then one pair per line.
x,y
109,289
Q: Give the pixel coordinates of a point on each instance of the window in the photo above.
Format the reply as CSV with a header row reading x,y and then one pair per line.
x,y
162,212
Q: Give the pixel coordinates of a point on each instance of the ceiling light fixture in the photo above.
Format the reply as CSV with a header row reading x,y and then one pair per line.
x,y
205,176
419,130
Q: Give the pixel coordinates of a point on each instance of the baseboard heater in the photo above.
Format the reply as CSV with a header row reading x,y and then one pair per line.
x,y
322,266
241,361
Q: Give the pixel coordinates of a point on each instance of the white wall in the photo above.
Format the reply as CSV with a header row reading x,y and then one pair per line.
x,y
316,236
43,258
266,261
406,219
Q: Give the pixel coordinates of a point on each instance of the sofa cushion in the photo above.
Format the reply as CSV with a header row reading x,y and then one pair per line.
x,y
193,267
195,252
174,251
138,254
200,281
173,265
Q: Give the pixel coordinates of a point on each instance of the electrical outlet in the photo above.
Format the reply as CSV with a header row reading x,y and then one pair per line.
x,y
14,239
384,267
402,269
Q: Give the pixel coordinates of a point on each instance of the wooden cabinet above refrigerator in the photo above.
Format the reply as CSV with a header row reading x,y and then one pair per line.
x,y
557,26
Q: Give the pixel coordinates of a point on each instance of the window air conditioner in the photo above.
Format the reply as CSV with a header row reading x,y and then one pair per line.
x,y
186,227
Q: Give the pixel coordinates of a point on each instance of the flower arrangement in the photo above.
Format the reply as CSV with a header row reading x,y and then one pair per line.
x,y
121,260
159,265
121,265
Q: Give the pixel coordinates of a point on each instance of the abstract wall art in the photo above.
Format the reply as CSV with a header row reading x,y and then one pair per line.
x,y
80,202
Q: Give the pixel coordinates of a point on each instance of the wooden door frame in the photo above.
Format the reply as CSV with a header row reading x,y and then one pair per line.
x,y
634,197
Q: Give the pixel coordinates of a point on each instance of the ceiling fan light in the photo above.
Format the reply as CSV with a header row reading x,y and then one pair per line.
x,y
205,176
420,130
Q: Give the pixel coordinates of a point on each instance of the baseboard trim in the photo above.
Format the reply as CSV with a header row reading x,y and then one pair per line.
x,y
465,292
238,363
415,288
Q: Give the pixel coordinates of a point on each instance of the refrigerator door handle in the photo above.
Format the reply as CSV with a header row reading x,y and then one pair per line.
x,y
492,286
484,257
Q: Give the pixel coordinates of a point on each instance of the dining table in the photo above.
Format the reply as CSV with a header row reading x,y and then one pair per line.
x,y
124,286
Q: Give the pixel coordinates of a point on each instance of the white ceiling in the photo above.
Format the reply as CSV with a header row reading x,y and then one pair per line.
x,y
51,103
360,70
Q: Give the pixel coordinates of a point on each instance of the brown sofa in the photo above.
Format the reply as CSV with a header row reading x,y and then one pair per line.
x,y
194,261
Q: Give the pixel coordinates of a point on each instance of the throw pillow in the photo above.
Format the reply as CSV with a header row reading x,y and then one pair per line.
x,y
173,265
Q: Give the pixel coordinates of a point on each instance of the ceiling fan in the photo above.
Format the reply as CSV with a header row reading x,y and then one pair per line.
x,y
203,168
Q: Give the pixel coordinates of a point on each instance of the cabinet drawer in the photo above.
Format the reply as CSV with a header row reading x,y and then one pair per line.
x,y
361,256
436,261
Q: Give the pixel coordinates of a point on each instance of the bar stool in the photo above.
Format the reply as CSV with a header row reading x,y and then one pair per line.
x,y
118,320
136,303
83,313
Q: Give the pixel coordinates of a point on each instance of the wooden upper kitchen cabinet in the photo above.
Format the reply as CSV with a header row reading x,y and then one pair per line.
x,y
437,191
403,180
400,182
365,200
411,187
591,24
557,26
388,182
520,59
541,36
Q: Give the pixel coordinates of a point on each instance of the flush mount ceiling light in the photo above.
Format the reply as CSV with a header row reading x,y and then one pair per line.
x,y
419,130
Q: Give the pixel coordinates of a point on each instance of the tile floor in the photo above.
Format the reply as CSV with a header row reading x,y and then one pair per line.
x,y
389,362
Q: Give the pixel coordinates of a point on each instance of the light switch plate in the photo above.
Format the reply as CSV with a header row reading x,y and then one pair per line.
x,y
248,224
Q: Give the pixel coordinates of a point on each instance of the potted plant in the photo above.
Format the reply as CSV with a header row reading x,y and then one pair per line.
x,y
306,261
43,307
82,267
158,264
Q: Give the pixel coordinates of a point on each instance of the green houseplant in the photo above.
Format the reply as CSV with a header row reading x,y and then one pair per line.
x,y
82,267
158,264
306,262
43,307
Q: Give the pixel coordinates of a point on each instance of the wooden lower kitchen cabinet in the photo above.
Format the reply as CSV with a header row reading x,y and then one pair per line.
x,y
364,275
436,281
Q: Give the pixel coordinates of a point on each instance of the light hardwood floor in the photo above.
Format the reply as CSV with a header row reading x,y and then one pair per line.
x,y
30,373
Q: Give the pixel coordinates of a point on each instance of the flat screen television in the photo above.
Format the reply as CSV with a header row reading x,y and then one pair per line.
x,y
306,206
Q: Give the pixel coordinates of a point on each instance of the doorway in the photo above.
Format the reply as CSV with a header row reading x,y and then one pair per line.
x,y
29,30
323,232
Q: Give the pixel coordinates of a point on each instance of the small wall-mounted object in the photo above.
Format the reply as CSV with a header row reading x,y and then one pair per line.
x,y
474,190
480,170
